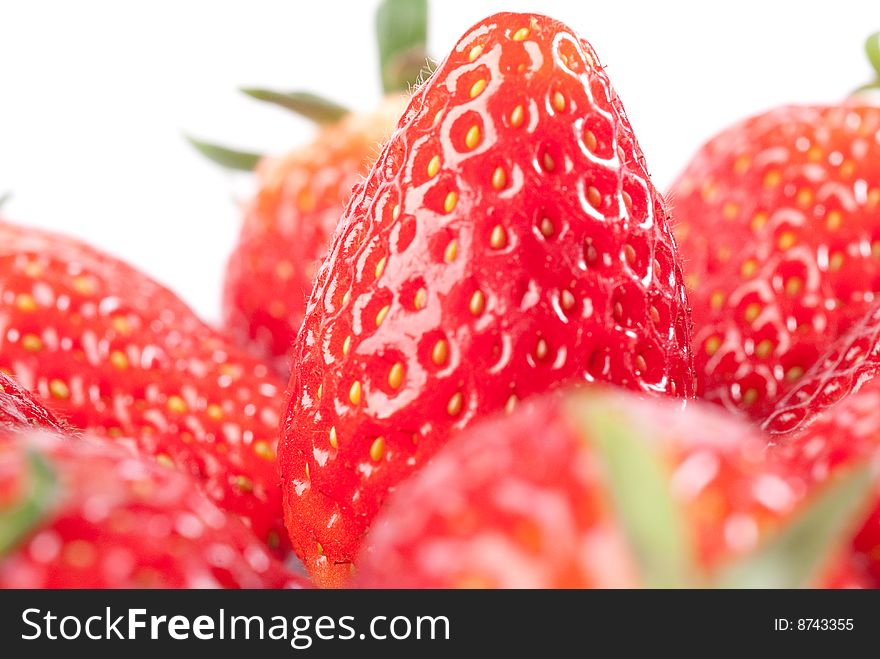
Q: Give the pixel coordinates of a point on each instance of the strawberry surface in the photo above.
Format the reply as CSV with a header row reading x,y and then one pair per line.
x,y
507,240
287,229
535,500
19,409
115,353
778,219
100,517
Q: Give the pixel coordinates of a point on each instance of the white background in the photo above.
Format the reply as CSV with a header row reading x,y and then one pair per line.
x,y
94,96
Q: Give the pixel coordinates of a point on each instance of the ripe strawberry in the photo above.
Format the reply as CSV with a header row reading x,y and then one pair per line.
x,y
84,514
599,488
779,230
301,195
508,240
832,417
288,226
18,409
118,355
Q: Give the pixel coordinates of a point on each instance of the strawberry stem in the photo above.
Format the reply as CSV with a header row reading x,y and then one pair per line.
x,y
872,50
402,33
306,104
19,520
226,157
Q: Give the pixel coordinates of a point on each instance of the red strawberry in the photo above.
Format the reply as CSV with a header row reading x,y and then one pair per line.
x,y
507,241
118,355
83,514
832,417
779,229
601,489
18,409
288,226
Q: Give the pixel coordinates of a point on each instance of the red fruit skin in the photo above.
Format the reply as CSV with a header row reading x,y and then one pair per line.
x,y
118,521
778,223
19,410
832,418
523,501
287,229
533,251
116,354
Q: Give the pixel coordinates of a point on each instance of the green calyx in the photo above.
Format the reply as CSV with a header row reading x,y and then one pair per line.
x,y
18,521
305,104
4,198
638,480
402,34
224,156
872,50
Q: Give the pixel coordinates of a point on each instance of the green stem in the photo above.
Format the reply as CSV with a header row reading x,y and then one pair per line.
x,y
306,104
402,33
225,157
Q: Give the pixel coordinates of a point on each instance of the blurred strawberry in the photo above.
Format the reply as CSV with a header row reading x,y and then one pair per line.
x,y
778,219
507,241
301,195
599,489
116,354
83,514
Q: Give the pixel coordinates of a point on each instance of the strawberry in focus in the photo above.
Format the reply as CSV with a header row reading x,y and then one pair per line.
x,y
508,240
778,222
79,513
116,354
19,409
602,489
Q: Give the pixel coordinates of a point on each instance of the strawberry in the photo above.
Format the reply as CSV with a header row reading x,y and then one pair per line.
x,y
832,417
302,194
508,240
85,514
118,355
603,489
18,409
779,230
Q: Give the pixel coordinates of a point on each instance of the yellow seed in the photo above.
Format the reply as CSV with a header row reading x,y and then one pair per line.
x,y
395,376
320,391
629,254
741,165
510,405
165,460
59,389
590,140
750,397
772,178
346,345
794,285
245,484
263,449
712,345
499,178
450,201
716,299
654,314
284,269
517,116
177,405
346,297
764,348
834,220
794,373
749,268
382,313
472,138
31,343
875,249
451,251
380,267
320,548
25,302
641,364
836,262
547,228
420,299
377,448
214,411
804,197
334,441
521,34
558,101
759,220
84,285
567,300
433,166
119,360
477,303
752,312
453,407
541,349
786,240
729,210
354,393
395,213
440,352
548,162
498,239
308,472
594,196
874,198
475,52
478,87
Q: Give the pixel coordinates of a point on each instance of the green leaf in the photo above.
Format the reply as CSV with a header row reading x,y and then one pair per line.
x,y
872,49
308,105
792,558
640,489
225,157
18,521
402,33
